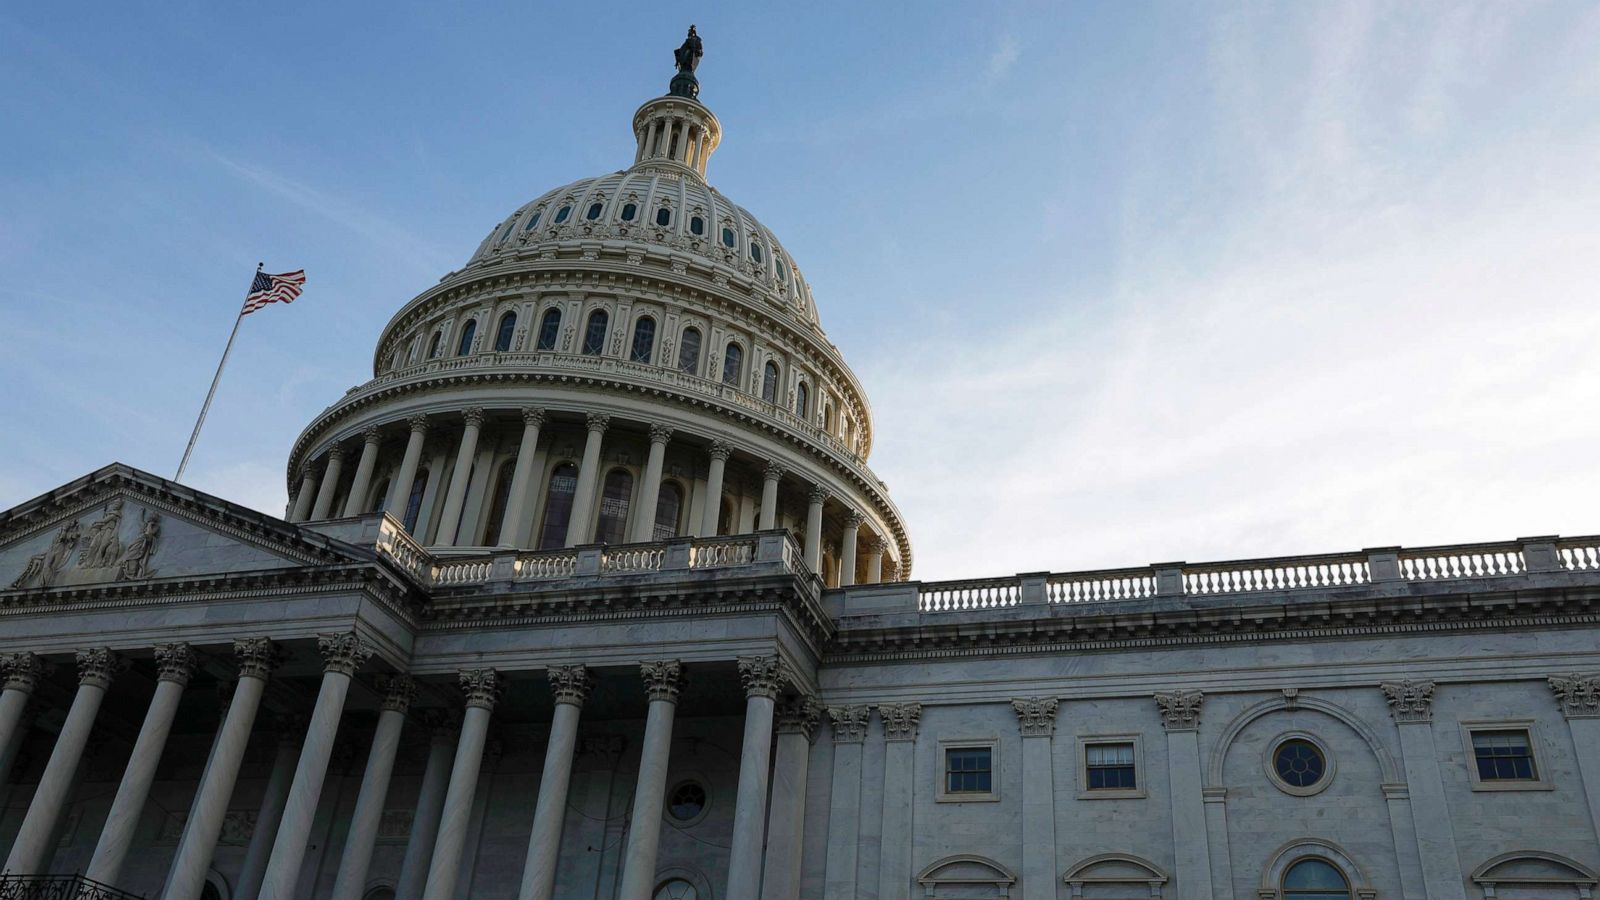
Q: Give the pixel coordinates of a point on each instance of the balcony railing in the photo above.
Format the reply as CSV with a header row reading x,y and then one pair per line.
x,y
59,887
1323,572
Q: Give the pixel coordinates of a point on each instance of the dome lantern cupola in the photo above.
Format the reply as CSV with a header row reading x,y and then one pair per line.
x,y
676,128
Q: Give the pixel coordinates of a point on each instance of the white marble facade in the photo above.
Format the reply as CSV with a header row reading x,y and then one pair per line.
x,y
567,605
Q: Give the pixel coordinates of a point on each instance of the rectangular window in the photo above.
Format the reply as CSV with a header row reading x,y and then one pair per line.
x,y
1110,767
968,770
1504,755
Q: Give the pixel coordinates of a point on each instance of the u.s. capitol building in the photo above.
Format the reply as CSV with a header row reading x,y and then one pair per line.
x,y
590,593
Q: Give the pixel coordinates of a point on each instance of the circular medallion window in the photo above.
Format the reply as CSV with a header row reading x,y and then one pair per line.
x,y
1299,764
686,803
676,889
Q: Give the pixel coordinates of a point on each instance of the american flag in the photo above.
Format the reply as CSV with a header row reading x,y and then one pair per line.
x,y
273,288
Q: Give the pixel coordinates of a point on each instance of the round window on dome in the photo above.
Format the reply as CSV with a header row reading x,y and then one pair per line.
x,y
663,217
687,801
727,237
1299,764
594,211
562,213
697,225
629,211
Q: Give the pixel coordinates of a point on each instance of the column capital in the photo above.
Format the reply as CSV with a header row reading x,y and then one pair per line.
x,y
799,715
871,543
257,657
175,662
96,666
570,684
1036,716
598,422
419,424
533,415
343,653
818,495
472,415
22,671
900,720
1180,710
663,679
1409,701
721,449
398,691
762,676
371,434
849,723
481,687
336,452
854,519
774,471
660,434
1577,695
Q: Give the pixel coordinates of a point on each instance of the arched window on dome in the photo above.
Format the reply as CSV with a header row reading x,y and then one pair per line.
x,y
697,225
506,331
629,211
594,335
689,351
728,238
663,217
464,346
562,213
669,507
419,486
644,340
614,503
506,232
802,399
558,507
433,345
769,382
595,209
732,364
497,508
1314,879
783,270
533,220
755,251
549,329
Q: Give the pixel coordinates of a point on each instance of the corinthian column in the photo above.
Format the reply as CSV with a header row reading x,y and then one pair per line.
x,y
797,728
1036,719
1579,699
330,483
482,689
273,799
769,496
511,527
847,548
761,676
430,800
578,526
720,452
342,655
370,439
50,798
1180,717
257,658
644,527
176,664
21,672
303,497
450,519
1411,704
570,685
818,496
844,809
399,691
400,488
662,681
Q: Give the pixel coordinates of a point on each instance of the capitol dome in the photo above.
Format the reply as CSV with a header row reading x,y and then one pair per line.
x,y
624,359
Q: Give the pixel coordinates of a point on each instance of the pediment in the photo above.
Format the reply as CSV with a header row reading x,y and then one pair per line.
x,y
122,526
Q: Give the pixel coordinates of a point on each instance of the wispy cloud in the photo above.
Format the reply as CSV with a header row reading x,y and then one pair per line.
x,y
1004,56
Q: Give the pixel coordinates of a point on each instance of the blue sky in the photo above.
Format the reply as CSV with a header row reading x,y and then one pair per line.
x,y
1125,282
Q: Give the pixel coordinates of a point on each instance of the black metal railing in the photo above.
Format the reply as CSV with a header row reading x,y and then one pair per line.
x,y
59,887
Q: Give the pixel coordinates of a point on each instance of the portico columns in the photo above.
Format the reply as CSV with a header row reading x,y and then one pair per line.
x,y
1411,704
662,681
847,548
769,496
797,728
399,691
21,671
342,655
645,522
50,798
353,504
330,482
176,663
1036,719
400,488
273,799
482,688
712,511
818,496
570,685
762,676
511,529
303,497
430,801
1180,716
874,559
578,526
450,519
257,658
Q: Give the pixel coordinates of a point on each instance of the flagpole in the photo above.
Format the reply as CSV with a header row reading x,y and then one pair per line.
x,y
204,407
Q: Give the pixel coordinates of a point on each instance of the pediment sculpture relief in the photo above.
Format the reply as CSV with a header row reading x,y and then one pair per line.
x,y
102,554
